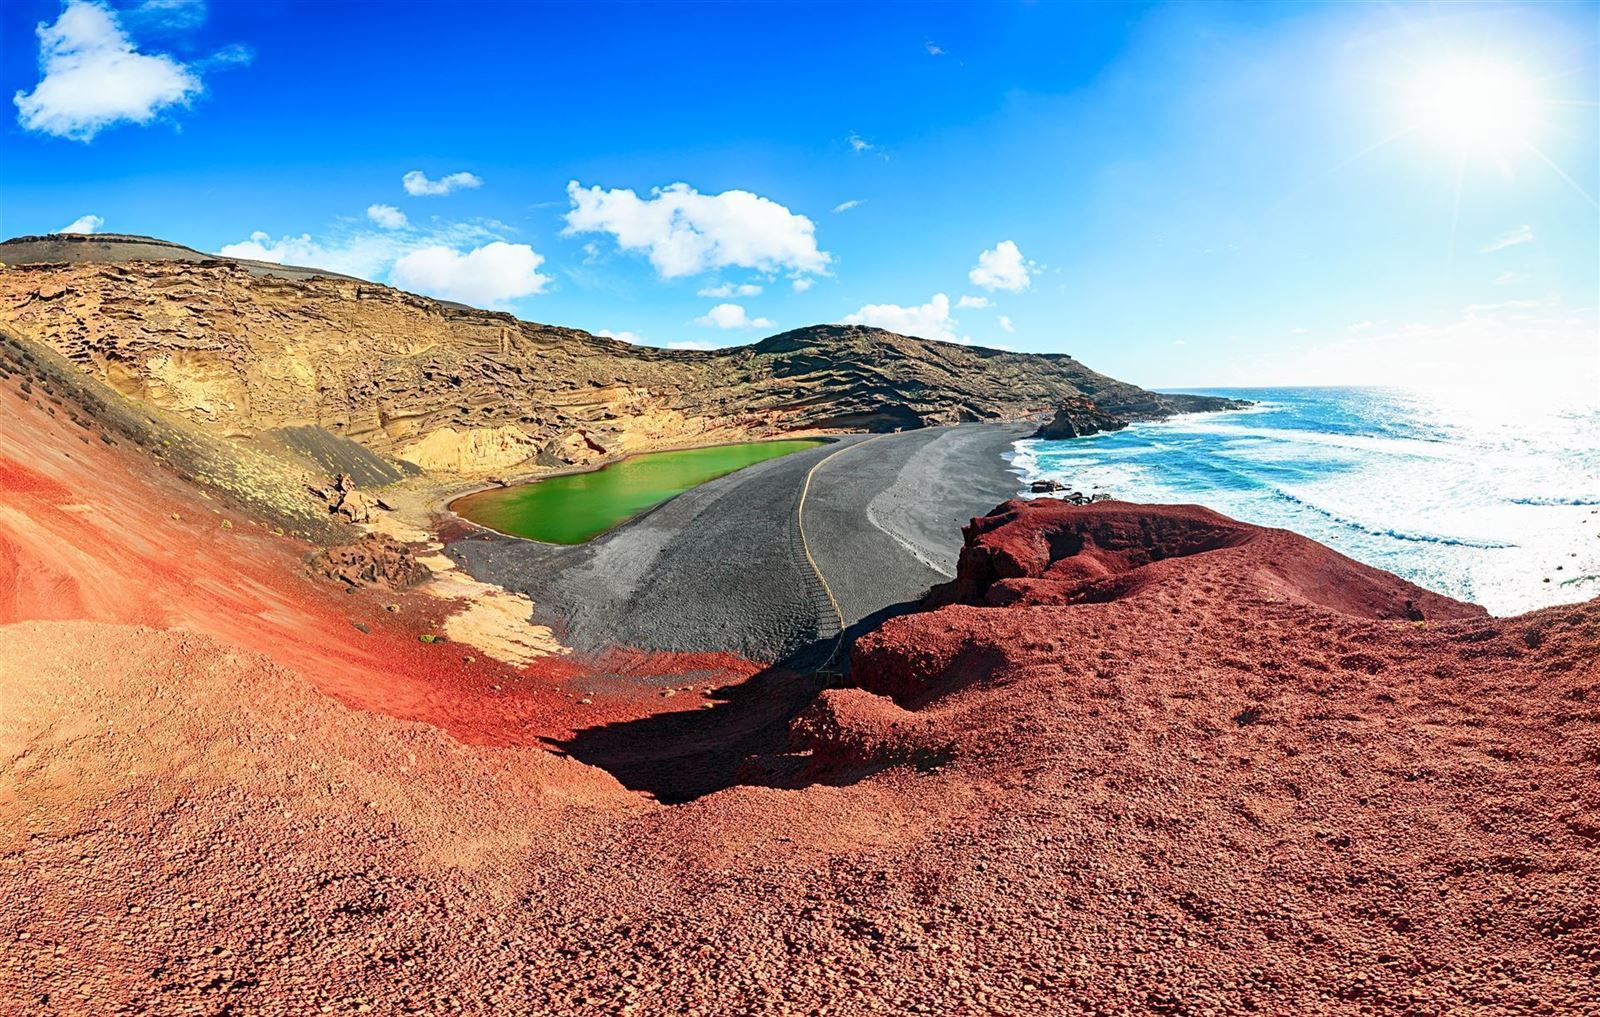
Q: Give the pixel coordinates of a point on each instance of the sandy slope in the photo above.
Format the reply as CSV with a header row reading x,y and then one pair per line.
x,y
92,529
1077,824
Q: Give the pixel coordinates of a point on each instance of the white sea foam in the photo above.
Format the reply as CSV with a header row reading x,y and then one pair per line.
x,y
1471,505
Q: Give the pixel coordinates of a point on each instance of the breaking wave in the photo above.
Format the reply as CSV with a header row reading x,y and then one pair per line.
x,y
1474,507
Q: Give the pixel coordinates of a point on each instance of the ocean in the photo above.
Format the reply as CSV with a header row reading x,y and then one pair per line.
x,y
1482,501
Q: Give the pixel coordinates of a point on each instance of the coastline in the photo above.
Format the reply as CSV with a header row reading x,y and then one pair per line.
x,y
719,567
443,496
1456,501
493,515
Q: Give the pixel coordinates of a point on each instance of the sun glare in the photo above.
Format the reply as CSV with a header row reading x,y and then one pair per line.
x,y
1476,105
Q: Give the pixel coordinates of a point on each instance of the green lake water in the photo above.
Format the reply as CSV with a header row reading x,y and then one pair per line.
x,y
579,506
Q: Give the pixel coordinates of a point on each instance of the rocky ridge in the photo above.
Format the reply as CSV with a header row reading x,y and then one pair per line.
x,y
241,349
1081,416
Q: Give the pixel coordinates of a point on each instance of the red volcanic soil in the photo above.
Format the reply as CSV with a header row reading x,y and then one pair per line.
x,y
1143,760
1246,772
89,530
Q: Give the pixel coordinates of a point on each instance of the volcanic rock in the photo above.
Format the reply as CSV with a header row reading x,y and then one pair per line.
x,y
269,479
374,560
1264,749
1048,551
344,499
1239,783
1076,418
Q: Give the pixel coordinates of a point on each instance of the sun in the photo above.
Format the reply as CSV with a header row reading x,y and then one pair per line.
x,y
1476,105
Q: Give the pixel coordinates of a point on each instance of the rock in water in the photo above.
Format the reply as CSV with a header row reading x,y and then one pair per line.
x,y
1077,417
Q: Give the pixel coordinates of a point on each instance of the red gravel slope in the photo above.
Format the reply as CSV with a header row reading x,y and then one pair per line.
x,y
1238,776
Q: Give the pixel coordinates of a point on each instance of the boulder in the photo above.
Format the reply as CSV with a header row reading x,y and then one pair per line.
x,y
345,499
374,560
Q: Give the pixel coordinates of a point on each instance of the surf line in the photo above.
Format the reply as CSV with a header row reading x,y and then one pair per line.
x,y
805,545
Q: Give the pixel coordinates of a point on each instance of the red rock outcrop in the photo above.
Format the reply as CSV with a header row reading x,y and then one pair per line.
x,y
1178,564
1054,552
1290,782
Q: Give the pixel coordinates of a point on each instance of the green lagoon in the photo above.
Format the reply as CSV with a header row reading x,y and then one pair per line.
x,y
577,507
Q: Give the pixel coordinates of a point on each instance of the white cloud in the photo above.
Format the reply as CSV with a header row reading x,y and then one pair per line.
x,y
364,255
730,290
1299,330
859,144
801,285
845,206
261,247
1180,342
1476,310
231,55
418,185
1506,278
487,276
1520,235
387,216
929,321
367,253
1005,323
627,337
93,78
1359,326
731,316
966,302
685,232
691,344
83,224
933,48
1003,268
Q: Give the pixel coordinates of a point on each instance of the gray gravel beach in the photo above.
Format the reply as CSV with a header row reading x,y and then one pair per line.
x,y
722,566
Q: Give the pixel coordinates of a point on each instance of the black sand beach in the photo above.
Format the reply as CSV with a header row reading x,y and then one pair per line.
x,y
723,566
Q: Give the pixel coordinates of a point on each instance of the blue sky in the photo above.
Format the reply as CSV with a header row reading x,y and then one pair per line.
x,y
1178,195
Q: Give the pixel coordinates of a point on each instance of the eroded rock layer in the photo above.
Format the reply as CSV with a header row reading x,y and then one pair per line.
x,y
242,349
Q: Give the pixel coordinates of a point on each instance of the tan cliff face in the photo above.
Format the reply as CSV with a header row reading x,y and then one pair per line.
x,y
239,352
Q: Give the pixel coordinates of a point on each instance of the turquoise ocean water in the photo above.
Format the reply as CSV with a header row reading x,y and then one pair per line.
x,y
1479,501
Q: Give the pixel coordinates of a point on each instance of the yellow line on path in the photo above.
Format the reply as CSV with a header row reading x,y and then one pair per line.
x,y
805,545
